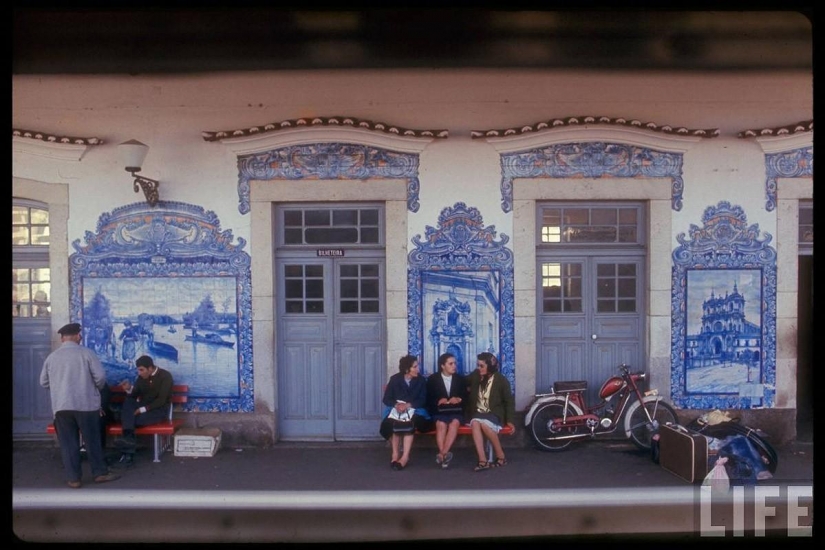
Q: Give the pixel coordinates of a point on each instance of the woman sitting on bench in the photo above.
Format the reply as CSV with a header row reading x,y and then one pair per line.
x,y
446,391
406,393
491,406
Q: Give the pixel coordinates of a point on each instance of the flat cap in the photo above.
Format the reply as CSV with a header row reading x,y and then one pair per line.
x,y
69,330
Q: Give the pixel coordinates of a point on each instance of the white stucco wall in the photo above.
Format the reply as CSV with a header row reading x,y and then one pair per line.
x,y
168,113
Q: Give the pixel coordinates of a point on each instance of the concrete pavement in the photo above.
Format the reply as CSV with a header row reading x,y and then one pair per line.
x,y
311,492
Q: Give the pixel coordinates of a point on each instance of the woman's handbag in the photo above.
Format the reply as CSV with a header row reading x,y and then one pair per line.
x,y
450,408
402,423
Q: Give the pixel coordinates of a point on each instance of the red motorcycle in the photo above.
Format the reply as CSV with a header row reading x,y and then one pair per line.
x,y
556,419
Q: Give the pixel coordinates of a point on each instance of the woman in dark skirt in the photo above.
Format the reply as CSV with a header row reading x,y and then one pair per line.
x,y
405,390
446,393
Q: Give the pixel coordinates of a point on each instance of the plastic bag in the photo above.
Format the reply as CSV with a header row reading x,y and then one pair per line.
x,y
717,479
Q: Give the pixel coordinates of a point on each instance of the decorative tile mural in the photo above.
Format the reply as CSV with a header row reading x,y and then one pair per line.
x,y
591,160
460,292
723,347
167,282
786,164
328,161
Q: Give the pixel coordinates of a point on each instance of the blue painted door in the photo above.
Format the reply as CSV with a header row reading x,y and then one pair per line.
x,y
331,345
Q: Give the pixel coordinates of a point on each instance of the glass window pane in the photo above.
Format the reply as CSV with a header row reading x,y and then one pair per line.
x,y
19,236
294,288
293,236
41,274
349,288
39,216
294,306
574,288
573,270
315,306
24,310
345,217
19,215
338,235
40,235
349,306
550,270
369,235
349,271
314,288
606,288
605,306
20,275
551,286
369,270
627,270
315,270
369,288
627,306
552,306
40,292
603,216
627,234
369,306
627,216
627,288
606,270
576,216
369,216
573,306
293,217
316,217
293,271
551,217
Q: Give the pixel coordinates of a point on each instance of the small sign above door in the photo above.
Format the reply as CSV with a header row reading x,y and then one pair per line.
x,y
330,252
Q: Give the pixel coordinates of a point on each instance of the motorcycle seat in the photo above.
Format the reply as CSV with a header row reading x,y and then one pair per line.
x,y
569,386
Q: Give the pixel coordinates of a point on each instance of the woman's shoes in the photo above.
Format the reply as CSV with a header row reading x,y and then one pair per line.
x,y
499,462
482,466
397,466
445,462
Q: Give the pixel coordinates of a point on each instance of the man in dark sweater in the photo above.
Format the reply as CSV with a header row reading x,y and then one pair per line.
x,y
147,402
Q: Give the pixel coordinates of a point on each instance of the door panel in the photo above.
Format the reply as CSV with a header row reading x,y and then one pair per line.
x,y
588,341
332,347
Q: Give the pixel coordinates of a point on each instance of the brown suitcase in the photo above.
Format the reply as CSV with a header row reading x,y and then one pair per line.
x,y
683,452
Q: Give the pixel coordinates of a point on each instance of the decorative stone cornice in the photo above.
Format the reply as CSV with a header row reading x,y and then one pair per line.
x,y
50,138
590,120
64,148
321,122
791,129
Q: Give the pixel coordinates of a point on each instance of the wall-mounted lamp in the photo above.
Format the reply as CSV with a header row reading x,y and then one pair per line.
x,y
132,153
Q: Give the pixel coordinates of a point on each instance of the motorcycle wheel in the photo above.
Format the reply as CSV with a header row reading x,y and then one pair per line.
x,y
543,434
640,433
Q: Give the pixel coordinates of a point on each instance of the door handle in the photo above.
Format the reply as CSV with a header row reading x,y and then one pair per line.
x,y
594,337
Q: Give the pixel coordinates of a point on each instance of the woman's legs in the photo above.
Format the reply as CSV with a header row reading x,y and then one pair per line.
x,y
441,439
395,440
452,434
478,441
405,456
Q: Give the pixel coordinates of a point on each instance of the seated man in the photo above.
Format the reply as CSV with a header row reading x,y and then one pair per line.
x,y
147,402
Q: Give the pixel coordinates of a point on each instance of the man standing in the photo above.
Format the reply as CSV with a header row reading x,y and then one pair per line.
x,y
147,402
74,377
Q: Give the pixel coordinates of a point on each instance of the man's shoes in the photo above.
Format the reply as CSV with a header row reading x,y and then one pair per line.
x,y
125,444
106,477
74,484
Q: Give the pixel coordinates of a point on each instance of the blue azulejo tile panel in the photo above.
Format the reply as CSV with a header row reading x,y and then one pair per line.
x,y
591,160
165,281
345,161
460,293
796,163
723,347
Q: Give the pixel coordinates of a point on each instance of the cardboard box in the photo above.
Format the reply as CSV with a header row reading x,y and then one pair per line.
x,y
197,442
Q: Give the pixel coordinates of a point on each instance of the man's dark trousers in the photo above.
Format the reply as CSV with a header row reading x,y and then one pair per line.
x,y
67,424
128,419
